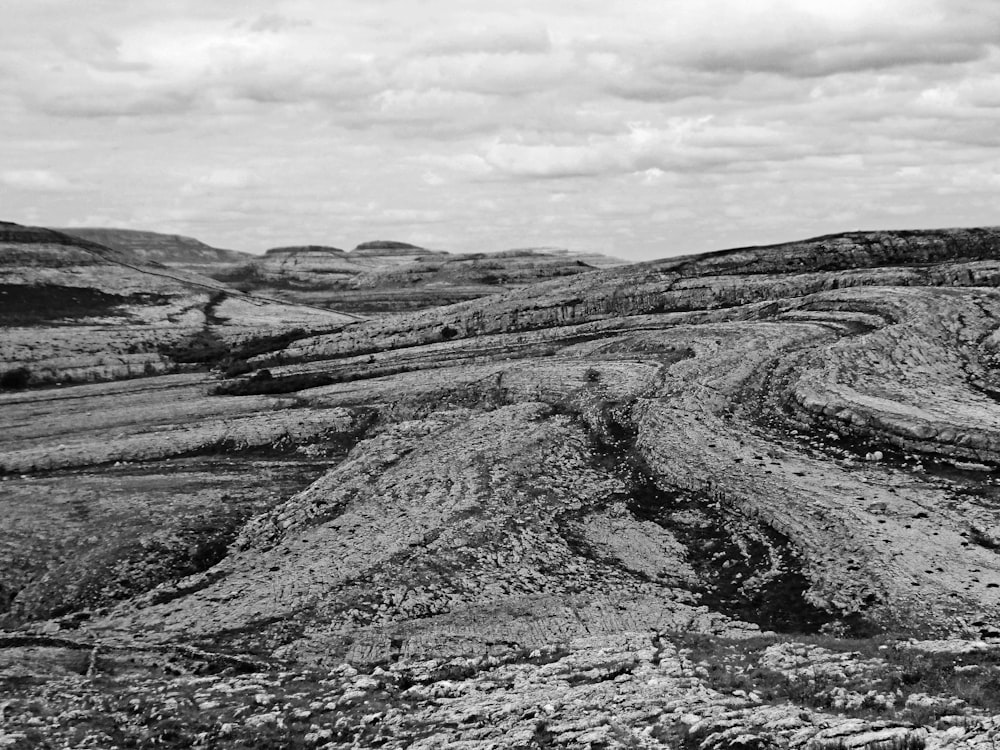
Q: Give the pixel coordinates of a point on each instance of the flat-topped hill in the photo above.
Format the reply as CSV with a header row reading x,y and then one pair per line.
x,y
388,247
296,249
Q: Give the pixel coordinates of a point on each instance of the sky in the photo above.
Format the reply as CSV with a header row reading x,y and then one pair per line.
x,y
639,128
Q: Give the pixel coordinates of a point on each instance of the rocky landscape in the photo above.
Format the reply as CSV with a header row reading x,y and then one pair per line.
x,y
739,500
380,277
76,311
375,278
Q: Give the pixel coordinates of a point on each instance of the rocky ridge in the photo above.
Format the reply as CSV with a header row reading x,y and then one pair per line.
x,y
155,247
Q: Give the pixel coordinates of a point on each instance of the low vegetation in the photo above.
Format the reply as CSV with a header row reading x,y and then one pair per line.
x,y
884,677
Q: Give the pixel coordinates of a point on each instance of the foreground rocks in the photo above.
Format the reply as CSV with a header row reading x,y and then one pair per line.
x,y
737,500
624,690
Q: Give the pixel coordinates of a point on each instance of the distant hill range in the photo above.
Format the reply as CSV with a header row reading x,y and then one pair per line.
x,y
376,277
168,249
386,276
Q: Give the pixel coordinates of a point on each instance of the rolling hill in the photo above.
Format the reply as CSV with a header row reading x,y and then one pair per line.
x,y
155,247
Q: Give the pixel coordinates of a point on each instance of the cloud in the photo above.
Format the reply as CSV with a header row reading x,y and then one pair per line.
x,y
510,73
275,23
433,104
804,39
243,120
411,216
525,38
677,145
186,68
109,101
36,180
801,59
554,161
224,179
99,50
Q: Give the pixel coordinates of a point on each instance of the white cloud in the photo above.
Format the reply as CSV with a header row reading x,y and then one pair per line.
x,y
537,122
505,38
275,22
221,179
552,160
41,180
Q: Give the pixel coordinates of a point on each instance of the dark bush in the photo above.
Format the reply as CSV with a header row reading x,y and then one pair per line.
x,y
233,368
448,333
202,348
15,379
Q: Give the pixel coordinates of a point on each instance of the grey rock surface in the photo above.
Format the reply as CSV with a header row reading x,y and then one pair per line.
x,y
741,500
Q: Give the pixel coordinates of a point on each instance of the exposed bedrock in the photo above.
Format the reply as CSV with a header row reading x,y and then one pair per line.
x,y
729,279
434,537
668,484
852,430
924,383
704,502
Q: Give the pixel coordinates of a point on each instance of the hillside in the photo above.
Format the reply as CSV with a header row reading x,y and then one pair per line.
x,y
74,310
744,499
154,247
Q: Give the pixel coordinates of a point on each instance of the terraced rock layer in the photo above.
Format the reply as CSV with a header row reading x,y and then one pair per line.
x,y
77,311
746,499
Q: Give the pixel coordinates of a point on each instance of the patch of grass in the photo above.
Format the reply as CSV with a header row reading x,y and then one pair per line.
x,y
258,384
203,348
883,666
43,304
266,344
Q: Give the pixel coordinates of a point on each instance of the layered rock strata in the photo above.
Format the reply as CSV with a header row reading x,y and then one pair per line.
x,y
720,501
77,311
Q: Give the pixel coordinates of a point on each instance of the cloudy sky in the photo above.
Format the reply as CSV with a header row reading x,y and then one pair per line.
x,y
642,128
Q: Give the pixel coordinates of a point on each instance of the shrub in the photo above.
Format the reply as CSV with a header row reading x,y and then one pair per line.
x,y
16,378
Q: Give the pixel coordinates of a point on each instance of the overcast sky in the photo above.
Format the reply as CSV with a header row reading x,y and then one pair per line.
x,y
642,128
